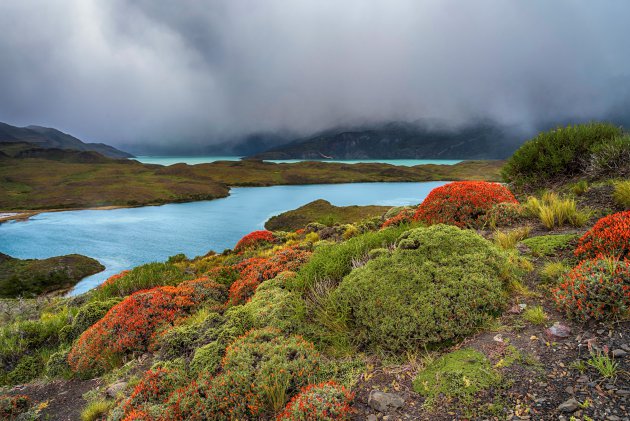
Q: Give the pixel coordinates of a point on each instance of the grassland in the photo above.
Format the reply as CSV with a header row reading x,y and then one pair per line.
x,y
323,212
32,277
72,180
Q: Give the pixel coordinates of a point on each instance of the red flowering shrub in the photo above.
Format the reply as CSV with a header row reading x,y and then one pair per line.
x,y
405,216
609,236
255,239
462,203
319,402
132,324
598,288
112,279
12,406
259,269
259,368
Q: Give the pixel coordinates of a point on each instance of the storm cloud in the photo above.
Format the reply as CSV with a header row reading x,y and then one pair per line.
x,y
202,71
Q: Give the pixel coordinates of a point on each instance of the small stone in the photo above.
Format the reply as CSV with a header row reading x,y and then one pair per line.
x,y
623,392
569,406
582,379
569,390
115,389
498,338
619,353
371,417
384,402
558,330
600,331
625,347
613,418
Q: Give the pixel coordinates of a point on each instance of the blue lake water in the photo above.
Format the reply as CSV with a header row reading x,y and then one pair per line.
x,y
192,160
124,238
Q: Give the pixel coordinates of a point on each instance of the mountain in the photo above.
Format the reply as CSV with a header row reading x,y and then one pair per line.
x,y
48,138
400,140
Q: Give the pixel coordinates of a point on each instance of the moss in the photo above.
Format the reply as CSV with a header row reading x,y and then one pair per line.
x,y
460,374
32,277
442,289
547,245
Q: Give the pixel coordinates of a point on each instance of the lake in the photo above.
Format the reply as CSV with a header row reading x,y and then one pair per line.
x,y
124,238
192,160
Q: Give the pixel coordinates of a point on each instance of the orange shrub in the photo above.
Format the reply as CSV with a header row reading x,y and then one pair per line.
x,y
255,239
610,236
131,325
462,203
319,402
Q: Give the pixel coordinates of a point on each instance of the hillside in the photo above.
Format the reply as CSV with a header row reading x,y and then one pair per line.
x,y
46,137
398,140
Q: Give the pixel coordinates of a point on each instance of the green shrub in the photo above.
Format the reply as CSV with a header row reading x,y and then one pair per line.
x,y
535,315
334,261
554,211
622,194
30,367
579,188
441,283
57,365
87,315
96,410
610,159
207,358
552,271
141,277
547,245
460,374
556,153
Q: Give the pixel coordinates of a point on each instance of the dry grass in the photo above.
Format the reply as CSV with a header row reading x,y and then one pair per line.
x,y
507,240
554,211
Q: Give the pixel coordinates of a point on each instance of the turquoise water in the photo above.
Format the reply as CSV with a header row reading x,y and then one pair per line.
x,y
123,238
192,160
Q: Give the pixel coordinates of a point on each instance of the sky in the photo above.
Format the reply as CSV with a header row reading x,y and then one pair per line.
x,y
155,72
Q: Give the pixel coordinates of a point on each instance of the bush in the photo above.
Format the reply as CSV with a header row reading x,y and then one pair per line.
x,y
207,358
132,324
13,406
547,245
319,402
87,315
460,373
334,261
260,371
595,289
255,239
441,283
462,203
405,216
610,159
142,277
503,215
610,236
255,270
57,364
554,211
622,194
556,153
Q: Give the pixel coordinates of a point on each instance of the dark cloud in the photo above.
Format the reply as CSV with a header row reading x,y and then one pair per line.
x,y
202,71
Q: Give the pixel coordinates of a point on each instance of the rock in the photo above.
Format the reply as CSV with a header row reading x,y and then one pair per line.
x,y
569,390
582,379
625,347
623,392
384,402
619,353
613,418
115,389
569,406
371,417
558,330
498,338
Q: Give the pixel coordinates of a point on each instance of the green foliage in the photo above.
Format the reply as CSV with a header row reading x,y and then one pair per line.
x,y
96,410
207,358
579,188
441,283
553,271
177,258
554,211
610,159
141,277
32,277
556,153
507,239
604,364
28,368
535,315
460,374
57,365
547,245
622,194
88,314
334,261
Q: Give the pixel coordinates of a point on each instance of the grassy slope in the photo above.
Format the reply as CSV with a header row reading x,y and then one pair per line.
x,y
33,277
320,210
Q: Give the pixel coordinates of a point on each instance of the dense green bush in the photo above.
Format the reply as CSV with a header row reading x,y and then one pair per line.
x,y
57,364
557,153
610,159
334,261
441,283
141,277
88,314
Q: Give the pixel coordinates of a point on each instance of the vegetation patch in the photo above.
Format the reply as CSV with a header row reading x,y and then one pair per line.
x,y
554,211
609,236
459,374
32,277
441,283
548,245
322,211
325,402
622,193
255,239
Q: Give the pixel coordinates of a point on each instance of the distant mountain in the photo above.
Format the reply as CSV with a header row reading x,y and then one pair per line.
x,y
400,140
48,138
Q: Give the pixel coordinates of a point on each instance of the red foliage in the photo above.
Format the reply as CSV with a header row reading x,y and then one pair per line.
x,y
259,269
609,236
598,288
462,203
12,406
319,402
404,217
254,239
112,279
132,324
